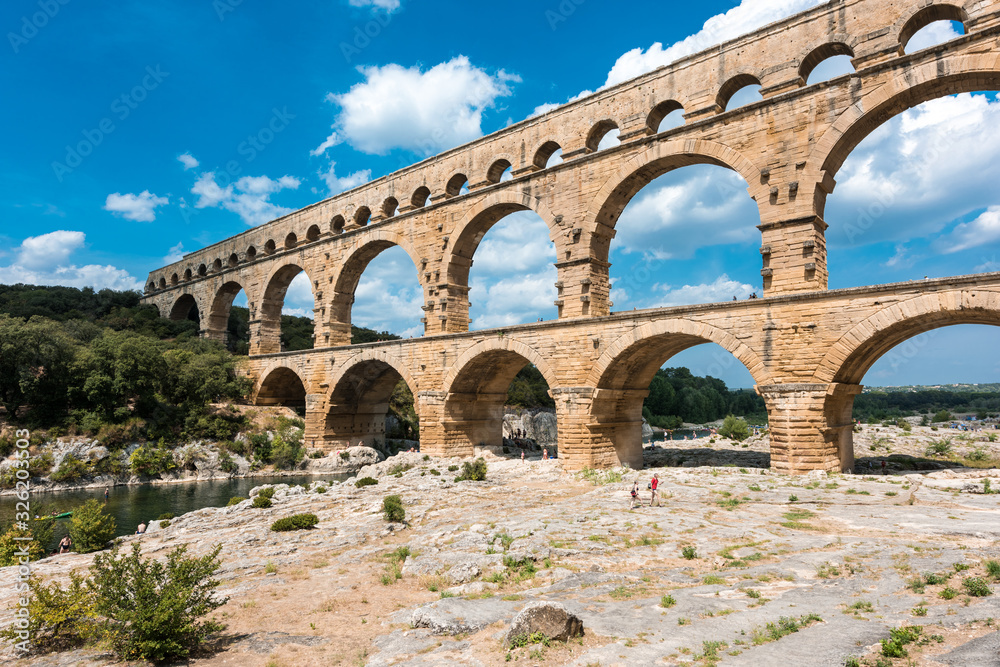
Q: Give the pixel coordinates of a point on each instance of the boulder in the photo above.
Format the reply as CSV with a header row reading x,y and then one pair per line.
x,y
549,618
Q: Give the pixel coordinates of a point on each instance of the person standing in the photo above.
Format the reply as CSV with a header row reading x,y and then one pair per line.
x,y
654,497
65,544
635,494
105,494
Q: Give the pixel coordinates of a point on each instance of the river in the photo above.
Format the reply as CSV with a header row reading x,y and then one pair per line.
x,y
135,504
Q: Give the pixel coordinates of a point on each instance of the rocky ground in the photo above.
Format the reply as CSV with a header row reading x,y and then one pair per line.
x,y
837,554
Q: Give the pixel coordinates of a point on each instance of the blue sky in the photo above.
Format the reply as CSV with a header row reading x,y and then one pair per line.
x,y
139,131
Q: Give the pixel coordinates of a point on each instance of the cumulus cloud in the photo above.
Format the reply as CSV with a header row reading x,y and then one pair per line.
x,y
388,6
420,111
389,296
931,35
175,254
188,161
983,230
337,184
249,197
140,207
44,260
662,295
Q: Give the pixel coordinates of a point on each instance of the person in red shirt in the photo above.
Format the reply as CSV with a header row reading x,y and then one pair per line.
x,y
655,497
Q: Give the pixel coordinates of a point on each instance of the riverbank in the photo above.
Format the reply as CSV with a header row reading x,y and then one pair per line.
x,y
838,553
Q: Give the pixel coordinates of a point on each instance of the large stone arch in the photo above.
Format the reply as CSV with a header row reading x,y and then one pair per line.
x,y
279,383
216,324
359,398
272,301
476,391
181,307
856,351
638,171
937,78
357,257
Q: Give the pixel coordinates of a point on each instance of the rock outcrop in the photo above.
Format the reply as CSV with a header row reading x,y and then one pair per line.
x,y
548,618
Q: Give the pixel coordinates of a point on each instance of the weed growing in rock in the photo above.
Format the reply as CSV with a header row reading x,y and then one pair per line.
x,y
919,610
894,647
400,468
452,468
667,601
689,553
235,500
261,502
793,498
754,487
473,471
392,509
992,569
828,571
932,579
861,606
783,627
793,519
365,481
976,587
435,471
295,522
948,593
713,580
394,565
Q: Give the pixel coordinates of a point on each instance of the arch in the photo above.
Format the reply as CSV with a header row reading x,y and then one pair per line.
x,y
202,270
163,282
389,207
659,112
637,172
855,352
362,215
291,240
497,170
174,279
598,132
217,265
483,215
733,86
312,234
360,395
182,308
910,25
676,336
270,247
357,259
935,79
275,289
420,197
151,286
280,385
222,303
337,224
455,184
543,153
821,53
234,260
471,361
251,253
187,274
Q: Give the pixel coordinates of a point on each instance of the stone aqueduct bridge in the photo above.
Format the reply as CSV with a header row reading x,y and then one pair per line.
x,y
807,348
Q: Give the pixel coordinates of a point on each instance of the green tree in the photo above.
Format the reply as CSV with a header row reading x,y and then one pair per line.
x,y
9,546
91,528
734,428
35,361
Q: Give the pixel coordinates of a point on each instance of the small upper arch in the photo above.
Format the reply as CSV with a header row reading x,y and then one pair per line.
x,y
312,234
733,86
820,54
659,112
455,184
600,130
202,270
251,253
544,153
420,197
337,224
910,25
173,279
234,259
187,274
362,215
291,240
497,169
389,207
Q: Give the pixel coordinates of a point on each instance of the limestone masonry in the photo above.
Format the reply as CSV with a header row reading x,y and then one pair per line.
x,y
807,348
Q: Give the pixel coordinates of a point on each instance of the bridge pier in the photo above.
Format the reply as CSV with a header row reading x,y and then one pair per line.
x,y
810,426
794,255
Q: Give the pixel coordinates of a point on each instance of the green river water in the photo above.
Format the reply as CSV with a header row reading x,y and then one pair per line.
x,y
132,505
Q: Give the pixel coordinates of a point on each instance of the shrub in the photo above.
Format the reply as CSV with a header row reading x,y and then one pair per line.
x,y
164,524
166,516
259,446
904,424
939,447
976,587
689,553
734,428
392,508
235,500
9,546
295,522
941,416
435,471
365,481
91,528
153,610
452,468
993,569
57,617
70,469
267,492
147,460
667,601
286,453
261,502
320,489
473,471
226,463
898,639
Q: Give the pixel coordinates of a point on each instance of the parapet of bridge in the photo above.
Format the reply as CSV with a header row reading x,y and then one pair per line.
x,y
806,347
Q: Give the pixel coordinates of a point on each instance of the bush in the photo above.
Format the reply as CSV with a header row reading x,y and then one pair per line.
x,y
9,546
70,469
266,492
345,455
261,502
166,516
91,528
148,460
164,524
57,617
473,471
452,468
286,453
153,610
734,428
226,463
235,500
689,553
392,508
365,481
295,522
942,416
976,587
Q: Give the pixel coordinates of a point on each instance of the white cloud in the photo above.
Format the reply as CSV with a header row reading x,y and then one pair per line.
x,y
917,173
188,161
388,6
337,184
745,17
139,208
42,260
423,112
931,35
175,254
249,197
389,296
983,230
662,295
